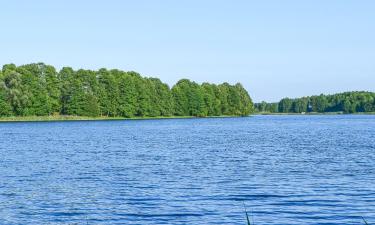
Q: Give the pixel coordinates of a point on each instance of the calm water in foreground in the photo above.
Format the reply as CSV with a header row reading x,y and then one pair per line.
x,y
287,170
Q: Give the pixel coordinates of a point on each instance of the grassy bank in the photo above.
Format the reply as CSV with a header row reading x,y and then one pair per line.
x,y
85,118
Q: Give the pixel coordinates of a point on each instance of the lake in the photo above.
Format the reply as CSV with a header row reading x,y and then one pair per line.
x,y
285,169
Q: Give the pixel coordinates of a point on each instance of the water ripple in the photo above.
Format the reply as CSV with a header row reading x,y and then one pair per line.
x,y
286,169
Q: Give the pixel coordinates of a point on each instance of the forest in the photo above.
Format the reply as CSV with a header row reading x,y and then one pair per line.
x,y
40,90
347,102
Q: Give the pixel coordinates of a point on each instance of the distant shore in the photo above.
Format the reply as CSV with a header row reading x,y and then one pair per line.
x,y
315,113
87,118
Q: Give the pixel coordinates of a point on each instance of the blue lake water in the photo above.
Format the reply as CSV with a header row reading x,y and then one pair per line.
x,y
286,169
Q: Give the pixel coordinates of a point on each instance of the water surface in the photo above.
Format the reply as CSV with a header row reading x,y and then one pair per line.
x,y
287,170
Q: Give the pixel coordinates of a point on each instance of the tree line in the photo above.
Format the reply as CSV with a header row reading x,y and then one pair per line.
x,y
39,90
347,102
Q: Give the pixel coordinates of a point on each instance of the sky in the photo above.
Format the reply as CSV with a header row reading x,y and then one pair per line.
x,y
275,48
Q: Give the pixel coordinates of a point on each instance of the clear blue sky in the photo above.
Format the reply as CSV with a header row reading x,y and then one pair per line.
x,y
274,48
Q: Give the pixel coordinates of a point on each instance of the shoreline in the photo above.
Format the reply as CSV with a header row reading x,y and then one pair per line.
x,y
106,118
312,114
101,118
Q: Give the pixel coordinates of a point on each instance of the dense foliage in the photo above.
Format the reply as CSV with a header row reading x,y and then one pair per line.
x,y
38,89
347,102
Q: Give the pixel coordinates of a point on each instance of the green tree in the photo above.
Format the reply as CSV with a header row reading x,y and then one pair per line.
x,y
5,107
144,92
17,96
246,105
128,95
285,105
68,88
181,98
300,105
223,97
37,89
82,101
107,92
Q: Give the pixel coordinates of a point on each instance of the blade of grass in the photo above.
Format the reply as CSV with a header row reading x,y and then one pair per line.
x,y
247,216
364,221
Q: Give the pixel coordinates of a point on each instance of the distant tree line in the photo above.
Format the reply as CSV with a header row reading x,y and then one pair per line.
x,y
347,102
39,90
